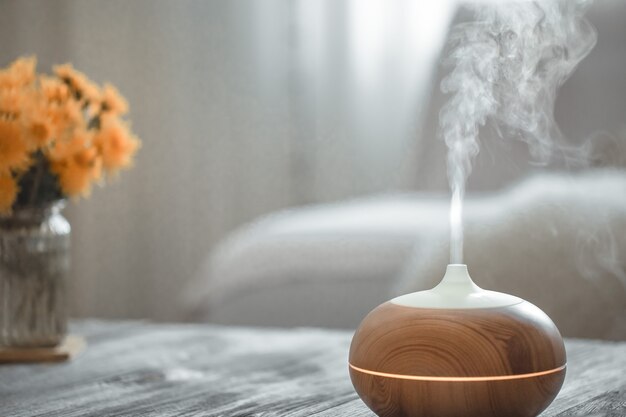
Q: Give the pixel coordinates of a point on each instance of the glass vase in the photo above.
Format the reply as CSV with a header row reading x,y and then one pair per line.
x,y
34,264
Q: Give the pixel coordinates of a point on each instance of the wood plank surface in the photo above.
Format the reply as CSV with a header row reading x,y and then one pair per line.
x,y
144,369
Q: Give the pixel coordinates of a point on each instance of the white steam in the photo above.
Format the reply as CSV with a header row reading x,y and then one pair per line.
x,y
507,65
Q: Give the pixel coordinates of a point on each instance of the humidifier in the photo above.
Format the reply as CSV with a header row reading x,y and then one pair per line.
x,y
457,351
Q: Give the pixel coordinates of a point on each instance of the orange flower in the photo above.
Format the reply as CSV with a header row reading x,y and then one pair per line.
x,y
65,149
77,165
116,144
36,122
40,132
54,90
24,69
79,172
20,73
11,101
62,119
78,82
14,150
91,92
8,193
113,101
66,72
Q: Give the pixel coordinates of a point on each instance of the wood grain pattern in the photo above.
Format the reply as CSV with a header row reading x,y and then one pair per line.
x,y
519,339
143,369
403,342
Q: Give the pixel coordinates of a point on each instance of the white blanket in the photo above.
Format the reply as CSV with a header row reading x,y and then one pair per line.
x,y
558,241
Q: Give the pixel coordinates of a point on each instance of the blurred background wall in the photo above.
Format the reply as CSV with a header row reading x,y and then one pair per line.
x,y
245,107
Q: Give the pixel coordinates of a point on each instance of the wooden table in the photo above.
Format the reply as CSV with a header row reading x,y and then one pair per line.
x,y
143,369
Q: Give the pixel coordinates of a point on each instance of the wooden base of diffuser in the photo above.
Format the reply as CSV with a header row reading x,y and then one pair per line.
x,y
484,362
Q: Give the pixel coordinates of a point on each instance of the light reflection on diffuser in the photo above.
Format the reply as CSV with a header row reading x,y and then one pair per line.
x,y
458,378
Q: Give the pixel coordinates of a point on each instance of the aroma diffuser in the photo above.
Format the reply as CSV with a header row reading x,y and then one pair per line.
x,y
457,351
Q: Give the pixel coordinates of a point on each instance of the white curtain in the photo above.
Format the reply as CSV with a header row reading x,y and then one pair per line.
x,y
244,107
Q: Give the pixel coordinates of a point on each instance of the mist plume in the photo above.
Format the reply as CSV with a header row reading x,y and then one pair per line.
x,y
506,66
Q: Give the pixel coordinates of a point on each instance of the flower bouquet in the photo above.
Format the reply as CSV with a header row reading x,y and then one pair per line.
x,y
59,134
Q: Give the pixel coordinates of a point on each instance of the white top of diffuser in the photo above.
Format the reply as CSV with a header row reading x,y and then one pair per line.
x,y
456,291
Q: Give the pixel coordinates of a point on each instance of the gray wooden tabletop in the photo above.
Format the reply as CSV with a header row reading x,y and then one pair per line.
x,y
143,369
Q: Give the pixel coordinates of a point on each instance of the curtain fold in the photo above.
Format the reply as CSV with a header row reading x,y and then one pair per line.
x,y
244,107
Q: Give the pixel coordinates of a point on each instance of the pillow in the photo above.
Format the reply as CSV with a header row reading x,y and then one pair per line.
x,y
318,266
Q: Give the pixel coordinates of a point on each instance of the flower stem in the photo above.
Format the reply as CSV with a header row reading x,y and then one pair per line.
x,y
36,181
